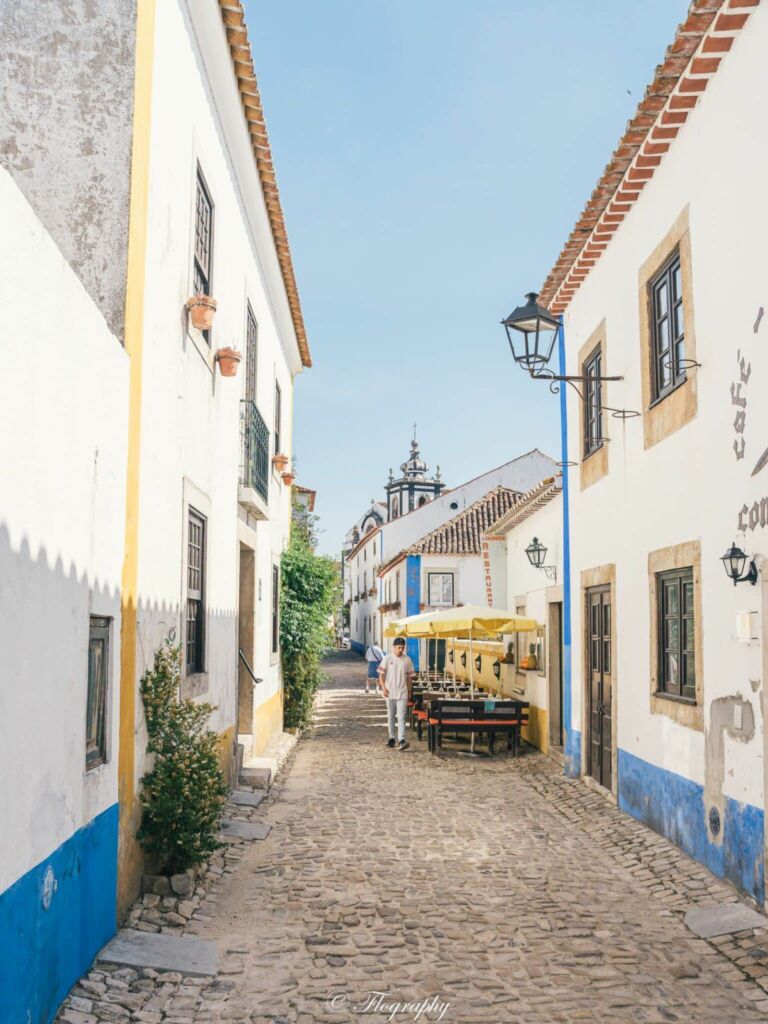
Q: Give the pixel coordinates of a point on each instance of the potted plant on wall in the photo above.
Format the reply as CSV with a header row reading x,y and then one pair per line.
x,y
228,360
532,660
280,462
201,309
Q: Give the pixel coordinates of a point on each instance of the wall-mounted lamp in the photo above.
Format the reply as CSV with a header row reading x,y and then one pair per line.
x,y
478,662
536,554
464,658
450,656
497,668
734,561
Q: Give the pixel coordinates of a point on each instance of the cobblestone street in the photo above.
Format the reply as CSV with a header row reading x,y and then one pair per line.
x,y
498,887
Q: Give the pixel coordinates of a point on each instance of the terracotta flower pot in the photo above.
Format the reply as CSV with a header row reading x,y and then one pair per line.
x,y
280,462
288,479
201,309
228,360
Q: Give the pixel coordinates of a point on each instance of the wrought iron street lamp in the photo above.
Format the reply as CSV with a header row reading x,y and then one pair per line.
x,y
532,332
497,668
478,662
537,553
734,561
464,659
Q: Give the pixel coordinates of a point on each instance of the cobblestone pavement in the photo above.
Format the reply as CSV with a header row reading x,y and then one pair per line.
x,y
497,887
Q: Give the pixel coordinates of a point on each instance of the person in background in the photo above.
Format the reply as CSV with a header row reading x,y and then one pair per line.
x,y
373,656
396,674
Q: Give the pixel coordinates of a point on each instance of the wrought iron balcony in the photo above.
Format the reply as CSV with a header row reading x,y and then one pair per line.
x,y
254,449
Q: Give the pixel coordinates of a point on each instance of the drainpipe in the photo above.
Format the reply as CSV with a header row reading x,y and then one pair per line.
x,y
572,736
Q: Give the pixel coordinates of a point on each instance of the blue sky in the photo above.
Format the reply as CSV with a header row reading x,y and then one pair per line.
x,y
432,157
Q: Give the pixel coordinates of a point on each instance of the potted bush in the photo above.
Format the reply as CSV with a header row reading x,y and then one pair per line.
x,y
201,309
288,478
280,462
228,360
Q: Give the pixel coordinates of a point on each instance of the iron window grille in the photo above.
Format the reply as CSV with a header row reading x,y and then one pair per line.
x,y
254,449
96,703
593,413
251,354
278,415
195,636
275,608
676,634
667,328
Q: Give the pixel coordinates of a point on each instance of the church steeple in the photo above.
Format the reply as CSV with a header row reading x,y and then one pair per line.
x,y
414,487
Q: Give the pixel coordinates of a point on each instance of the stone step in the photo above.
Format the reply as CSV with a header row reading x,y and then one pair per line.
x,y
244,829
183,953
256,777
723,919
246,798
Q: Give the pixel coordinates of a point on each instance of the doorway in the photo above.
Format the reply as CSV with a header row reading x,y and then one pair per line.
x,y
555,681
246,644
600,697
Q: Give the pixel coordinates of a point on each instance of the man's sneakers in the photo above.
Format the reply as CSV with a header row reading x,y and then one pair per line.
x,y
403,745
390,743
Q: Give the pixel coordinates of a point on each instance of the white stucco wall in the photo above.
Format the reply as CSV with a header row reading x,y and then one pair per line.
x,y
190,444
63,425
690,486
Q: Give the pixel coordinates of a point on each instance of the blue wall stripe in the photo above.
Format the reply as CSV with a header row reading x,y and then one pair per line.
x,y
412,600
674,807
43,952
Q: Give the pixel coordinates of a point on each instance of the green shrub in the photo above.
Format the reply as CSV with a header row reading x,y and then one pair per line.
x,y
308,595
184,793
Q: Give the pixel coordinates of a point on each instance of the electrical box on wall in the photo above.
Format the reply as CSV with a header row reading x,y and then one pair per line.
x,y
744,630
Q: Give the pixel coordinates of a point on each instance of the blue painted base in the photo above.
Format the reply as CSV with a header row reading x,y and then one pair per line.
x,y
674,807
357,646
572,754
44,951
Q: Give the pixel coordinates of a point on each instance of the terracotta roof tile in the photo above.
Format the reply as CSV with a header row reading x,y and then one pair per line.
x,y
463,534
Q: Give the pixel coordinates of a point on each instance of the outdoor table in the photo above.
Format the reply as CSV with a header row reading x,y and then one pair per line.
x,y
479,717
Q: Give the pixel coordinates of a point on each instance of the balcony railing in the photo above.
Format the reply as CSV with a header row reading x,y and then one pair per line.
x,y
254,449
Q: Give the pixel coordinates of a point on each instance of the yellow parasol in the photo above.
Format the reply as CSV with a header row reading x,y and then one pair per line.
x,y
469,620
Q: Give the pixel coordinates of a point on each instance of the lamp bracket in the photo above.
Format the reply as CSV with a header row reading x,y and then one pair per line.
x,y
574,380
550,571
750,576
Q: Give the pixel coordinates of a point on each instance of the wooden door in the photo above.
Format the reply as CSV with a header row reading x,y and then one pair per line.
x,y
599,657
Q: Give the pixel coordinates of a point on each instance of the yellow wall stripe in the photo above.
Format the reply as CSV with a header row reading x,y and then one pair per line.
x,y
129,856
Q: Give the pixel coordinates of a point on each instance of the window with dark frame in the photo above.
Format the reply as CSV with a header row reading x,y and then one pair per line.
x,y
96,703
251,354
195,636
278,412
667,328
275,608
676,635
593,413
440,589
203,251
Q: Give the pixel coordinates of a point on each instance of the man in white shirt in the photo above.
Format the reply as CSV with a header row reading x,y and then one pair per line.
x,y
373,656
396,674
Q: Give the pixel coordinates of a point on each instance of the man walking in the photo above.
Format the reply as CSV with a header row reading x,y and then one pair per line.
x,y
396,679
374,656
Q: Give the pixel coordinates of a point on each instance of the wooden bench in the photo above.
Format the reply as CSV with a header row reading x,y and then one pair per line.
x,y
477,716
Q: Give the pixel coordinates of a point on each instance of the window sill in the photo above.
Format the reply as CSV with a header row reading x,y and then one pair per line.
x,y
592,451
681,710
194,684
663,695
670,391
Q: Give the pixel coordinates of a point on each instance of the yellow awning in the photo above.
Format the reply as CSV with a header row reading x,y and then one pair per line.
x,y
470,620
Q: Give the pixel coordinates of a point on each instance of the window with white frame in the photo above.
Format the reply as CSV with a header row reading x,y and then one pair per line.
x,y
440,589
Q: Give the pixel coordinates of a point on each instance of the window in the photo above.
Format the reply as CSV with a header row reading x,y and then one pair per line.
x,y
203,257
278,404
667,328
195,639
676,661
275,608
397,587
365,581
374,549
96,706
251,348
593,414
395,508
440,589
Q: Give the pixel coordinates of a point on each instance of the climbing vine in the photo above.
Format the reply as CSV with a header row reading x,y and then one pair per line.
x,y
309,594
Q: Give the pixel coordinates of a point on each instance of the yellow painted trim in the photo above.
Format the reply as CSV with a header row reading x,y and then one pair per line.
x,y
537,731
226,753
129,853
267,723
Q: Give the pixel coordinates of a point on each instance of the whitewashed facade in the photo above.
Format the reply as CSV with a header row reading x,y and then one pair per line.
x,y
668,657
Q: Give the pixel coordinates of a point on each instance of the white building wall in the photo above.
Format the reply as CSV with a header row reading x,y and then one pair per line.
x,y
63,437
190,413
690,486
